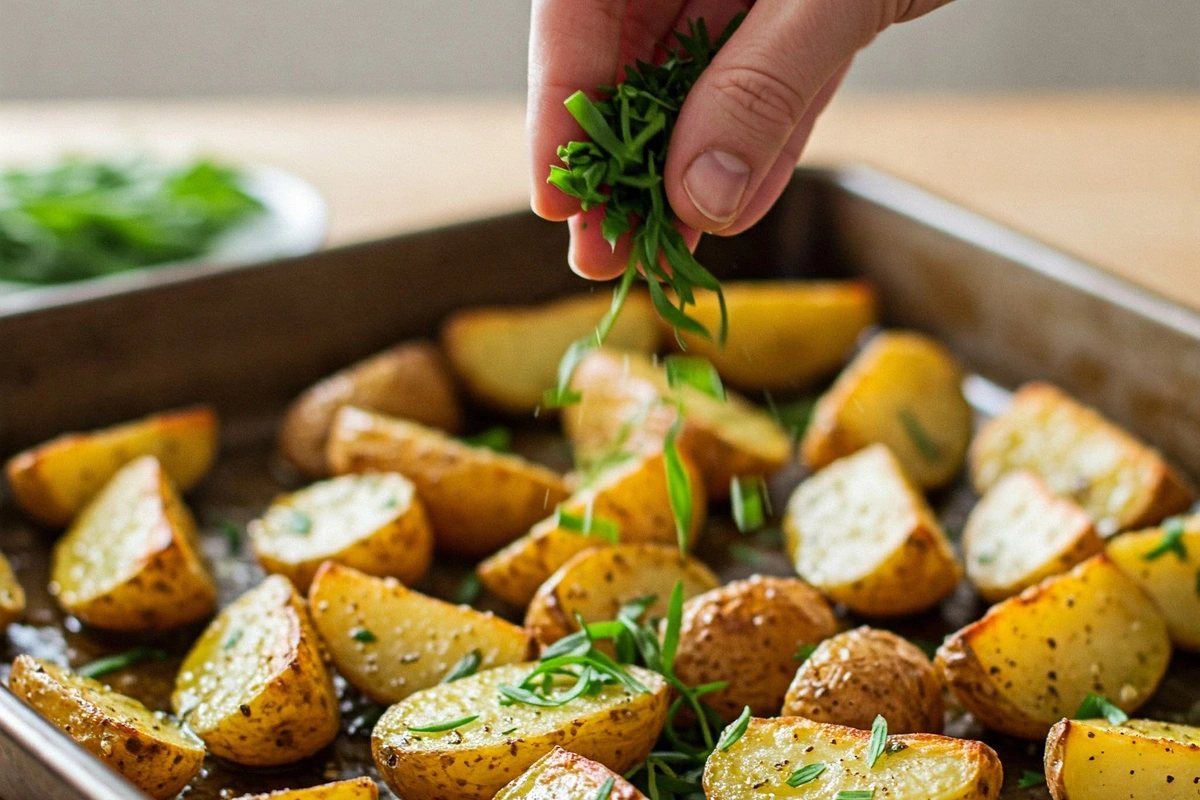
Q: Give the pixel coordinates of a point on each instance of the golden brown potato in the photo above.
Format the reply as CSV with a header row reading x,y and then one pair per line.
x,y
372,522
389,641
475,760
254,686
1094,760
562,775
917,766
54,481
1165,562
631,494
863,535
596,583
1121,482
132,561
1021,533
477,499
12,596
747,632
852,677
409,380
1034,658
353,789
508,357
903,390
155,753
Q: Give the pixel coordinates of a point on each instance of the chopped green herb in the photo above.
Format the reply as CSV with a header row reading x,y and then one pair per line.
x,y
233,536
508,731
605,788
1030,779
496,438
588,524
985,558
696,372
855,794
745,554
806,774
735,731
298,522
928,448
445,726
878,740
1172,541
233,639
748,501
469,590
114,663
804,651
363,635
1095,706
467,665
679,490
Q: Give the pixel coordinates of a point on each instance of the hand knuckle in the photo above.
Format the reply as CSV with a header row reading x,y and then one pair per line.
x,y
760,100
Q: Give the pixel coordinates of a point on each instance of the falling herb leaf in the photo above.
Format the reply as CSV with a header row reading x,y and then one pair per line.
x,y
735,731
469,590
1095,706
467,665
496,438
748,502
920,439
806,774
1030,779
444,726
879,734
1172,541
114,663
696,372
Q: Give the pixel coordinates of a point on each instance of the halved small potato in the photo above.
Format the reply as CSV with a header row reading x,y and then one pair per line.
x,y
1121,482
1094,760
917,766
372,522
863,535
477,499
54,481
1020,533
132,560
254,686
746,633
563,775
508,357
353,789
1033,658
156,754
1170,574
409,380
852,677
475,760
596,583
389,641
12,596
903,390
782,334
632,495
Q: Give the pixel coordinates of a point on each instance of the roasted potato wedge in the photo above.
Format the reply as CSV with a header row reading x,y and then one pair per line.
x,y
12,596
852,677
1121,482
918,766
1033,658
746,632
1093,760
54,481
563,775
1021,533
861,533
389,641
903,390
477,499
132,561
631,494
156,754
476,760
596,583
353,789
1165,562
782,334
254,686
372,522
409,380
508,357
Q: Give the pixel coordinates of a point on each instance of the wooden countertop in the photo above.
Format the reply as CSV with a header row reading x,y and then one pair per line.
x,y
1114,179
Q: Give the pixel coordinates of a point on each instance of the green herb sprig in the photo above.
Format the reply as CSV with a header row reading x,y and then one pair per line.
x,y
1096,706
806,774
1171,542
879,732
119,661
1030,779
442,727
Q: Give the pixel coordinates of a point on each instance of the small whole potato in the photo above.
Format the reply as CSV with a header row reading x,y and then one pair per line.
x,y
746,632
852,677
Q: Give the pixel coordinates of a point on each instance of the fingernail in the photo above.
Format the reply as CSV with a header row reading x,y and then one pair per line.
x,y
716,181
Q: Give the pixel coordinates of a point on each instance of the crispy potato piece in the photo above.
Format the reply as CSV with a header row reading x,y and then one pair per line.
x,y
904,390
562,775
12,596
596,583
782,334
508,357
478,758
254,686
389,641
746,632
855,675
477,499
1021,533
622,408
372,522
1033,658
1121,482
54,481
409,380
917,766
863,535
353,789
631,494
1170,575
1093,760
132,560
156,754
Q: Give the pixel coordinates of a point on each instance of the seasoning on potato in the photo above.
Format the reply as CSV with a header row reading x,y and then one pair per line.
x,y
1096,760
1165,562
563,775
12,596
353,789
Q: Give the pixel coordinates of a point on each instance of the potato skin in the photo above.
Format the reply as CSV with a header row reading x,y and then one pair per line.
x,y
563,775
746,632
12,596
855,675
353,789
1093,760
